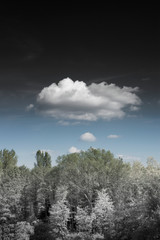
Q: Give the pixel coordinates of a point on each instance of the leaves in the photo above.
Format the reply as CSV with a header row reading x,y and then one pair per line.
x,y
59,215
96,193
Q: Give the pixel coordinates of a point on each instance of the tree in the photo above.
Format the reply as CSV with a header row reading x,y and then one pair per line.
x,y
98,222
59,215
103,211
11,186
23,231
52,179
86,172
40,189
84,221
8,159
43,159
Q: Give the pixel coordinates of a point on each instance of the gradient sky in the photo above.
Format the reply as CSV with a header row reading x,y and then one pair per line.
x,y
104,76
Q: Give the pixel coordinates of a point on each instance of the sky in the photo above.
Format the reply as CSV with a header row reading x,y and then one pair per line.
x,y
71,81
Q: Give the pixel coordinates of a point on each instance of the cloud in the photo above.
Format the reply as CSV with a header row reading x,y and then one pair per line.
x,y
74,150
89,137
113,136
134,108
67,123
128,157
76,101
63,123
145,79
29,107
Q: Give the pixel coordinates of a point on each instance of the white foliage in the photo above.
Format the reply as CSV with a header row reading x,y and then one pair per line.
x,y
103,204
59,214
103,210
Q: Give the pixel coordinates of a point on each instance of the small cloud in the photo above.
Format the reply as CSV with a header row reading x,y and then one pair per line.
x,y
128,157
134,108
145,79
113,136
63,123
89,137
74,150
67,123
76,123
29,107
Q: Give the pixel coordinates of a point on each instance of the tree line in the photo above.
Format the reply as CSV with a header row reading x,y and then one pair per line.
x,y
87,195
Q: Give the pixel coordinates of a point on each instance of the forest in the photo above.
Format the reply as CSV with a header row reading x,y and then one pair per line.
x,y
90,195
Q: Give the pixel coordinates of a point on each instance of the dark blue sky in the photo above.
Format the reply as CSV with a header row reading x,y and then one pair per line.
x,y
115,47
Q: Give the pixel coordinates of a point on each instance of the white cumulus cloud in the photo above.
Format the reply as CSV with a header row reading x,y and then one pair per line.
x,y
89,137
76,101
113,136
74,150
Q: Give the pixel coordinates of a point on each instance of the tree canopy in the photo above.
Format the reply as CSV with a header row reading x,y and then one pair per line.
x,y
87,195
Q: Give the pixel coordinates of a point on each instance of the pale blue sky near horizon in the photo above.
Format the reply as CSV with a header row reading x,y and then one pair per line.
x,y
137,137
